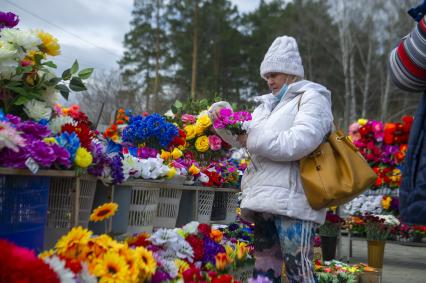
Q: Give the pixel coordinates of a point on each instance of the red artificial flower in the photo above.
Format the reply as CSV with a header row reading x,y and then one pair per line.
x,y
204,229
18,264
225,278
72,264
84,133
191,275
407,122
215,179
197,245
140,240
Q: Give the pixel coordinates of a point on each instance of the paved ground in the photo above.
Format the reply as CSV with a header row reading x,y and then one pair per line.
x,y
405,264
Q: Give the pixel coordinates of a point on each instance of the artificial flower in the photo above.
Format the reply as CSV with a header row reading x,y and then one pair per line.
x,y
216,235
171,173
42,153
148,264
140,240
24,38
193,170
8,20
9,137
176,153
56,264
362,122
56,123
104,211
202,144
188,119
190,132
215,142
111,268
131,166
83,158
222,261
203,122
165,155
49,44
197,246
68,243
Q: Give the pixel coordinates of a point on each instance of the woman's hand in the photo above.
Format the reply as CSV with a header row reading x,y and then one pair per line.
x,y
214,113
242,139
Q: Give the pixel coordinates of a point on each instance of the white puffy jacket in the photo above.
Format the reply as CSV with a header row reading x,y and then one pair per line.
x,y
277,139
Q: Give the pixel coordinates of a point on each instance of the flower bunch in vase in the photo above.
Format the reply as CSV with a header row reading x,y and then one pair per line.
x,y
379,227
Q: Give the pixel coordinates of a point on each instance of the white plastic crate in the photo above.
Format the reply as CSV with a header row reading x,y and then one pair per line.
x,y
205,205
62,207
143,205
168,207
231,207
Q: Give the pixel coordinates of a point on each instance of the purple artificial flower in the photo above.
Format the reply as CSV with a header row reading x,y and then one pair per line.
x,y
394,205
12,159
225,112
233,227
42,153
13,119
63,157
218,124
32,130
8,20
211,249
160,276
259,279
147,152
117,169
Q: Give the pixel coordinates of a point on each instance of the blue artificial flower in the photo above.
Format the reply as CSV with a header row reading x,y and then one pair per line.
x,y
2,116
43,122
113,148
70,142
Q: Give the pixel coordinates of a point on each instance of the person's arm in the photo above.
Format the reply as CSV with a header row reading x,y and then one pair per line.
x,y
312,123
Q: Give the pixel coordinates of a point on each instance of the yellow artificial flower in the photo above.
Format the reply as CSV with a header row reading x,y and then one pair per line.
x,y
203,121
112,268
83,158
103,212
132,260
49,44
229,251
199,131
182,266
190,132
31,56
386,201
165,154
222,260
242,250
68,244
176,153
50,140
148,265
194,170
202,144
362,122
171,173
46,254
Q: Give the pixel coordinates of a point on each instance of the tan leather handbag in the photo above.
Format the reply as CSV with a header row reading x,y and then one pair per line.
x,y
335,172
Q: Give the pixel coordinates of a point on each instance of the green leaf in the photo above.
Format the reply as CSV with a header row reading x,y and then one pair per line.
x,y
178,104
76,84
85,73
64,90
54,81
20,100
66,75
74,67
27,69
50,64
38,58
18,90
174,109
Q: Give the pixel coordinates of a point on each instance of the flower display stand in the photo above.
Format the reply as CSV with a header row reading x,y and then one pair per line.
x,y
23,207
168,206
143,204
70,204
204,205
244,273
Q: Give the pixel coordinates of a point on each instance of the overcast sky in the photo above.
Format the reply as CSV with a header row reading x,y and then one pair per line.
x,y
91,31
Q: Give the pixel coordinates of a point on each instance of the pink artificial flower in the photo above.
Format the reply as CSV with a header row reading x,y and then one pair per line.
x,y
10,138
218,124
188,118
215,142
232,169
74,109
225,112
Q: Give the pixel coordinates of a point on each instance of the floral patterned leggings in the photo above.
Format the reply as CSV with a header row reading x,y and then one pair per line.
x,y
279,239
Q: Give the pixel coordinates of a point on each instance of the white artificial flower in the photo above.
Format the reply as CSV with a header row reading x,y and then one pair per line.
x,y
37,110
65,275
9,137
132,166
56,123
191,227
170,268
7,51
50,96
163,237
26,39
7,69
203,178
85,275
183,249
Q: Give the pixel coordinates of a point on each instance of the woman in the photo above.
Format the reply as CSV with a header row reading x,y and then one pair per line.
x,y
289,124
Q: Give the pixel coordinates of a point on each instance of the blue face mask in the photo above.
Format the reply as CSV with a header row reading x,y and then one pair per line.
x,y
282,92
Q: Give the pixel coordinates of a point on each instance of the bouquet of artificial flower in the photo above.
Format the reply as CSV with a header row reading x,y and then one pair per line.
x,y
230,124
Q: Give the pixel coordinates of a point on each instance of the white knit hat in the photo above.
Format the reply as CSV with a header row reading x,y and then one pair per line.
x,y
282,57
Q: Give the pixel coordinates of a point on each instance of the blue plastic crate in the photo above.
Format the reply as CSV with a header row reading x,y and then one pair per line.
x,y
23,209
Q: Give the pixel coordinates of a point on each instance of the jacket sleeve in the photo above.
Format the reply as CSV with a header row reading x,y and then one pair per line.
x,y
312,123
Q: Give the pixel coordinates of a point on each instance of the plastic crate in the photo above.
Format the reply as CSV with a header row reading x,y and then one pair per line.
x,y
244,273
23,207
143,205
225,205
205,205
62,207
168,207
